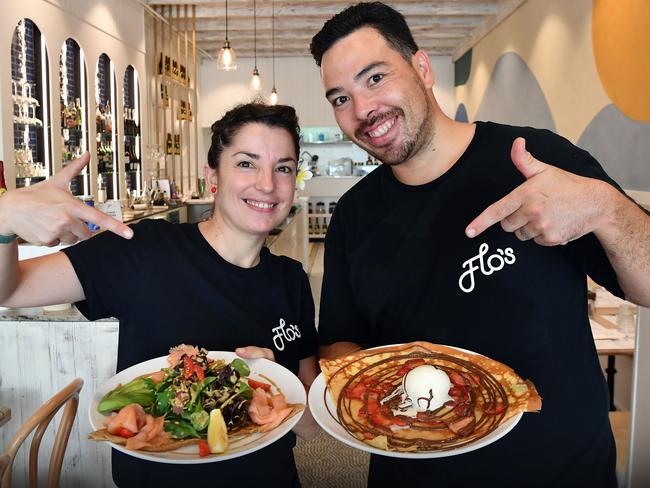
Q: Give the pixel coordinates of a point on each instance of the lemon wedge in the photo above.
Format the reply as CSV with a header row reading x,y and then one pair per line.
x,y
217,432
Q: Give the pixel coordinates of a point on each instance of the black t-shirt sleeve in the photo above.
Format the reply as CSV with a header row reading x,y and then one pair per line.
x,y
104,265
339,318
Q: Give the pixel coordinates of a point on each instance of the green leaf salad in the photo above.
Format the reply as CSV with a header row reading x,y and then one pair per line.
x,y
187,391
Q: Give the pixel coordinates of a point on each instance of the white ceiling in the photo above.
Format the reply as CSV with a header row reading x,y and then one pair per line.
x,y
441,28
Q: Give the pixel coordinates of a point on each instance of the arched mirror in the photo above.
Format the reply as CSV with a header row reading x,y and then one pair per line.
x,y
74,111
30,88
105,99
132,142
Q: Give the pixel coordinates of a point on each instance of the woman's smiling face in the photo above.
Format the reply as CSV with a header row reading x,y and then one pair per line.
x,y
255,179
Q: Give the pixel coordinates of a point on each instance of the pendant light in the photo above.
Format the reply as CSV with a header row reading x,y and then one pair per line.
x,y
227,58
274,93
255,83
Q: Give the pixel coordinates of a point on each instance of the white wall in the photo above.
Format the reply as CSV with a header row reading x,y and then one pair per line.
x,y
113,27
298,83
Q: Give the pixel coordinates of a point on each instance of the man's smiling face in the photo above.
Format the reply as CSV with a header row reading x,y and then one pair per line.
x,y
380,100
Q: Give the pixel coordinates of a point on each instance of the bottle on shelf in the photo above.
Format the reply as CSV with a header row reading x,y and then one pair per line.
x,y
64,115
164,95
101,191
108,118
99,119
77,121
71,117
128,123
3,183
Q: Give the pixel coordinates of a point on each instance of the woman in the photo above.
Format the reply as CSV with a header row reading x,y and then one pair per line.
x,y
211,284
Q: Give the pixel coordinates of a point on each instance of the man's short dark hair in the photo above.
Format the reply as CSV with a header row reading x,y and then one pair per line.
x,y
386,20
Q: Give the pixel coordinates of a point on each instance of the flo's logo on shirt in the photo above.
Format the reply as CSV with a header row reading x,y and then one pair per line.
x,y
283,333
486,265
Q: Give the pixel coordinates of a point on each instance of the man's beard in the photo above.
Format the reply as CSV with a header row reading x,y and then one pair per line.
x,y
408,147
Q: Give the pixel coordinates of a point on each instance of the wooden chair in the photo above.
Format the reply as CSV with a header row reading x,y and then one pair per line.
x,y
39,422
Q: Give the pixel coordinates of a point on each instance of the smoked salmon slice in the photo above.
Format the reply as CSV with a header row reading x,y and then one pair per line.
x,y
131,417
148,431
268,410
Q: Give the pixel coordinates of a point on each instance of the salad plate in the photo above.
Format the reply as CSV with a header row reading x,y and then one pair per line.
x,y
260,369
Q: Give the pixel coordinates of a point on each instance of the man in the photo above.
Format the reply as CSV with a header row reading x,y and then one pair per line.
x,y
412,253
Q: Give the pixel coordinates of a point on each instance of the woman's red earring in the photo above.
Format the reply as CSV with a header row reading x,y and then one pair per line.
x,y
213,189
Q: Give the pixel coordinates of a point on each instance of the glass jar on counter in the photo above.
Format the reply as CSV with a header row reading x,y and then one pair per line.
x,y
626,319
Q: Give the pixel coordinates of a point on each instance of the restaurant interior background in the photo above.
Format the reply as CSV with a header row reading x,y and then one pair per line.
x,y
579,68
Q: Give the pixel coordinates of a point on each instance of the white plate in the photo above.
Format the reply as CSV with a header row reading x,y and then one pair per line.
x,y
323,409
289,384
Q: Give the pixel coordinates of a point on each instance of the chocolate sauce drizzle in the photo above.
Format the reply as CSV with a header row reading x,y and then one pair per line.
x,y
488,395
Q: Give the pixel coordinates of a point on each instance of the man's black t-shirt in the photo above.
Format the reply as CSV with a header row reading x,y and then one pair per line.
x,y
168,286
399,268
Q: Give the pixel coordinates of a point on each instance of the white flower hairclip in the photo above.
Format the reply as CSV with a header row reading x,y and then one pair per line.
x,y
303,175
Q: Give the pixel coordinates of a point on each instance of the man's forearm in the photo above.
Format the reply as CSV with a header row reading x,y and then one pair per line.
x,y
626,240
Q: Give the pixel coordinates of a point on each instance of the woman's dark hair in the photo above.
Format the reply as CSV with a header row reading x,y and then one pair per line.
x,y
226,128
386,20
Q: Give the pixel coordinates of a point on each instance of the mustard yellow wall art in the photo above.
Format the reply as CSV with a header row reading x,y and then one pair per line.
x,y
621,44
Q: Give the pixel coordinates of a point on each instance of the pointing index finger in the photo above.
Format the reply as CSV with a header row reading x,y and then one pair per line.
x,y
496,212
92,215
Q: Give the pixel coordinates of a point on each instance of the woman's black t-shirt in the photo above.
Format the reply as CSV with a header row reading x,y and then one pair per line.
x,y
168,286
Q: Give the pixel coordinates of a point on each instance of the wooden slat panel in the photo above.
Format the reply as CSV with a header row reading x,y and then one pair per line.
x,y
39,359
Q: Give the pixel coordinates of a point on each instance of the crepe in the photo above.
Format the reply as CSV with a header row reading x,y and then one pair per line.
x,y
486,394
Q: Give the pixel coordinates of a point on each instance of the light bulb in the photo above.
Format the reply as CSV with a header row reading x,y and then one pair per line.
x,y
274,97
227,57
255,83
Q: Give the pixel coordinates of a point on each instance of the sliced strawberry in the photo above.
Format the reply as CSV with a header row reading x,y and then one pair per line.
x,y
379,419
409,365
458,379
460,394
462,410
356,392
399,421
372,402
